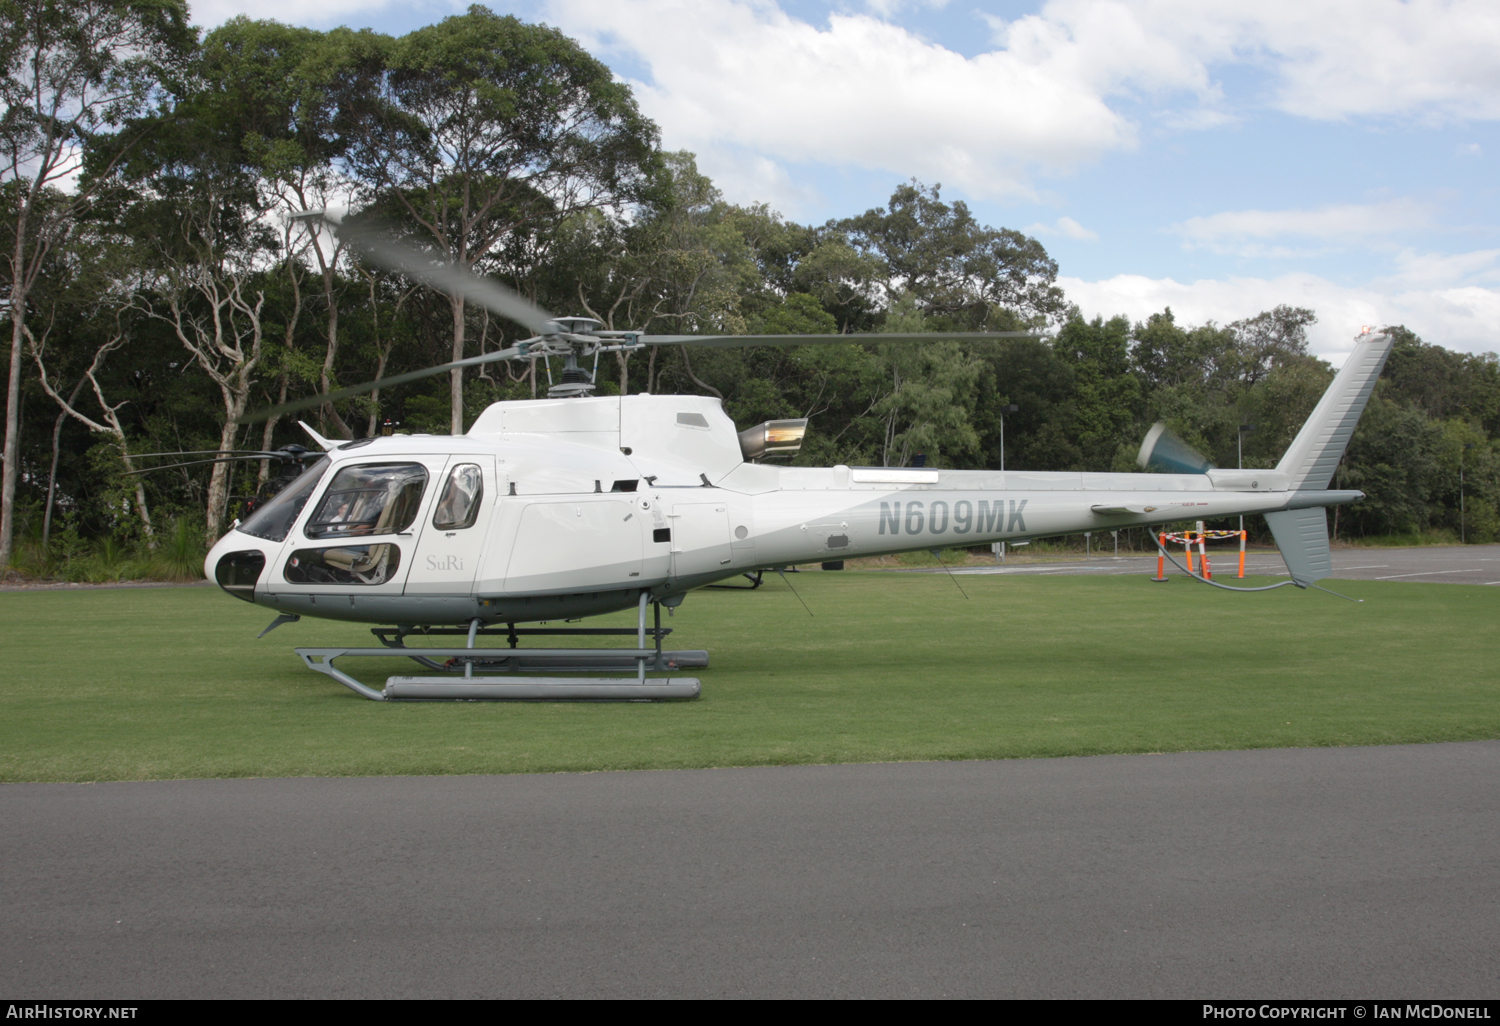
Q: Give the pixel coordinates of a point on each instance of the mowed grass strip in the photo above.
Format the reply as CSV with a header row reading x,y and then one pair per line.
x,y
172,683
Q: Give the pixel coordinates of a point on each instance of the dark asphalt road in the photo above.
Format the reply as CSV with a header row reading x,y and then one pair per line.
x,y
1358,872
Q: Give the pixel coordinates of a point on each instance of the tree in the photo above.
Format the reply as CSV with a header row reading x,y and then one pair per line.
x,y
72,73
207,290
929,407
489,127
681,264
1106,405
294,96
1269,340
953,266
1443,383
1392,458
111,426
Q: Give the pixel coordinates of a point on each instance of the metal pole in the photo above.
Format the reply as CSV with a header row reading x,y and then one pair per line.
x,y
469,663
1008,408
640,639
1239,446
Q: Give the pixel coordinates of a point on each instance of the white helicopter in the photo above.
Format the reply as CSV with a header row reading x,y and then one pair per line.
x,y
576,505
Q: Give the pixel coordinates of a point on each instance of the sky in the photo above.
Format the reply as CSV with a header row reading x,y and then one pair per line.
x,y
1217,158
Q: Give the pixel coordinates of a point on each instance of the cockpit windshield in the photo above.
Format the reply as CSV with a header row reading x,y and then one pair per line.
x,y
275,519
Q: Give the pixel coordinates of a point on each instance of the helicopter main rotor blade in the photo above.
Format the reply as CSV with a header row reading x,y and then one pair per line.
x,y
200,463
251,453
739,341
369,386
446,277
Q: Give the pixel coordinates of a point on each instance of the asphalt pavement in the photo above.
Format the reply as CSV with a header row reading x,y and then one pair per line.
x,y
1302,873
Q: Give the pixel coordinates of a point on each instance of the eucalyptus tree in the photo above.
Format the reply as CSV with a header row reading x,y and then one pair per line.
x,y
1269,340
677,263
204,252
930,405
969,274
488,126
296,97
73,73
110,424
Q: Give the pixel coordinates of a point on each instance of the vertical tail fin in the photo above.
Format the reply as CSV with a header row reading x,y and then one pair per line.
x,y
1314,454
1309,463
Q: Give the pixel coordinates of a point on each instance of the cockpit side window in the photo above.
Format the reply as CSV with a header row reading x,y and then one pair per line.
x,y
371,499
458,506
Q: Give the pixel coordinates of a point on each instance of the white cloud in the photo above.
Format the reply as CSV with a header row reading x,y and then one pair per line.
x,y
1232,231
863,91
1063,226
1464,318
859,92
1438,270
1348,58
745,176
1327,59
743,75
1470,150
890,8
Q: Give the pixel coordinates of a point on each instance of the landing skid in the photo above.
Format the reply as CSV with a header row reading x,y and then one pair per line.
x,y
464,666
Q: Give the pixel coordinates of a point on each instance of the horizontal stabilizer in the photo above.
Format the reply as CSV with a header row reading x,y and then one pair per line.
x,y
1302,537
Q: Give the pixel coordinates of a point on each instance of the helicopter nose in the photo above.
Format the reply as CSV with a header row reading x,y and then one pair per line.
x,y
238,572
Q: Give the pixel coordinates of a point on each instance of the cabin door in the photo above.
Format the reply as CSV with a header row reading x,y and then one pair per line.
x,y
362,534
448,554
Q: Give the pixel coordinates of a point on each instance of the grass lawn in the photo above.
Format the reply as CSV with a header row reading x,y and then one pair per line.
x,y
172,683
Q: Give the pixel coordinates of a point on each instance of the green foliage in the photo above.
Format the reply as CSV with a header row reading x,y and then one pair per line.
x,y
1106,405
951,265
1392,459
930,406
74,559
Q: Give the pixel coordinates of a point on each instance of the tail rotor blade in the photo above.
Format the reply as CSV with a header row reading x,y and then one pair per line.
x,y
1165,451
